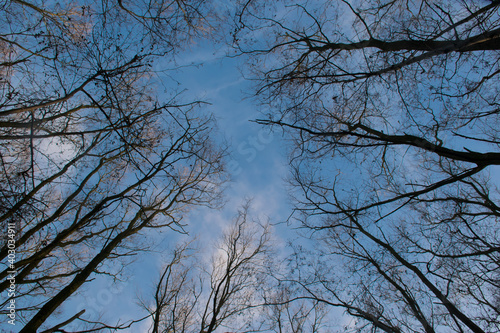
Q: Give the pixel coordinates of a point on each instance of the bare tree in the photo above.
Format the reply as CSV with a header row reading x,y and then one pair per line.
x,y
190,297
176,295
92,156
285,310
392,110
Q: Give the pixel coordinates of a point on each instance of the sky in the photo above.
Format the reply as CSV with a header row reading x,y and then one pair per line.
x,y
258,168
257,165
257,161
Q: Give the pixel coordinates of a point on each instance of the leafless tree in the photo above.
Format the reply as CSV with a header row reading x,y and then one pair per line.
x,y
92,155
285,310
190,297
392,108
176,294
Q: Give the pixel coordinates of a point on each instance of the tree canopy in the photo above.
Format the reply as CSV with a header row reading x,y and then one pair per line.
x,y
392,110
92,153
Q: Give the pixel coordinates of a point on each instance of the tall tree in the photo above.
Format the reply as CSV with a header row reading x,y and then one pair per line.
x,y
392,109
93,154
194,294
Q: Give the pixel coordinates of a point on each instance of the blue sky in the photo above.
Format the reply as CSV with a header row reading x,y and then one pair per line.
x,y
257,160
257,164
